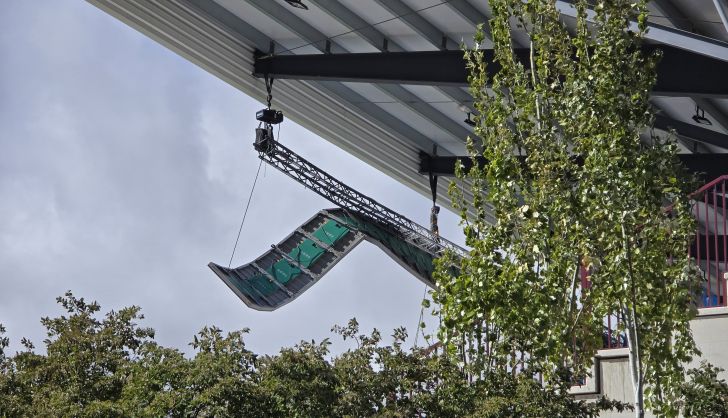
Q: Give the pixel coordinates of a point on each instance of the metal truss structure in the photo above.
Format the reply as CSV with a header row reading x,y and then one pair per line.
x,y
338,193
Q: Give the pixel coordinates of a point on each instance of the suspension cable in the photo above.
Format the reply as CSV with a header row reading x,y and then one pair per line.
x,y
245,214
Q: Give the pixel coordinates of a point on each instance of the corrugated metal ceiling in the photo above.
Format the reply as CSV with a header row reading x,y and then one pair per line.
x,y
384,125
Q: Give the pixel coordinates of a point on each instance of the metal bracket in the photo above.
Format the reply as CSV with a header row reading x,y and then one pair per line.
x,y
290,259
247,280
271,278
318,243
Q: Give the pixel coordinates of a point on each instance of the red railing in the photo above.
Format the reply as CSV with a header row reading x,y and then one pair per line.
x,y
612,337
709,250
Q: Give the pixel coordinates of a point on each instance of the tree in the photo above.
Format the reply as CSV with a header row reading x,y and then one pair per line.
x,y
112,367
575,180
523,396
6,375
223,379
387,380
705,395
155,383
301,381
83,370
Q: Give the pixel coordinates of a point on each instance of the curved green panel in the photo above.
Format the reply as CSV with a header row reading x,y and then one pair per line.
x,y
301,259
277,277
412,257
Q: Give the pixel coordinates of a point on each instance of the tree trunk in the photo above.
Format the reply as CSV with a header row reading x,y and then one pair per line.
x,y
635,363
633,341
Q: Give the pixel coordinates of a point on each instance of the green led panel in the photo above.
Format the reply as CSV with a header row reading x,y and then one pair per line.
x,y
307,254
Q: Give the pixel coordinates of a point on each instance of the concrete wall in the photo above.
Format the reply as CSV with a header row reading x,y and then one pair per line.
x,y
710,330
610,374
611,379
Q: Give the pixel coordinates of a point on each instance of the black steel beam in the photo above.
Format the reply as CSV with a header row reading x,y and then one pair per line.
x,y
707,166
680,73
428,67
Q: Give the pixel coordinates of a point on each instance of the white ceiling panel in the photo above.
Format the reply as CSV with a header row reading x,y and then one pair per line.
x,y
683,109
413,42
317,18
369,92
447,20
261,21
703,16
419,123
440,101
481,5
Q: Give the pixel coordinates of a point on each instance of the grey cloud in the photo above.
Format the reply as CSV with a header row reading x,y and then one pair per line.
x,y
124,169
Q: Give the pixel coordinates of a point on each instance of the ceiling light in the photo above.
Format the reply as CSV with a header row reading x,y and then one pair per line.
x,y
463,108
700,118
470,121
298,4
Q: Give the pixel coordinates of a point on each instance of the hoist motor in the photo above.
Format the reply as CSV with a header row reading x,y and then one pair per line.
x,y
269,116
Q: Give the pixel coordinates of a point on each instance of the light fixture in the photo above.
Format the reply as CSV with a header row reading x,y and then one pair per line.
x,y
700,118
298,4
470,121
463,108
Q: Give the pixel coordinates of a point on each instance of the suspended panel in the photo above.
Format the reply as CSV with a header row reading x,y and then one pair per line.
x,y
288,269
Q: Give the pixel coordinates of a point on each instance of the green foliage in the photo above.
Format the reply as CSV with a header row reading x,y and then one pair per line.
x,y
574,177
86,359
112,367
301,381
522,396
705,395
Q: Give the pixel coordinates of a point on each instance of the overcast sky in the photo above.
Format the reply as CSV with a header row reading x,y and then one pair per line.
x,y
124,170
